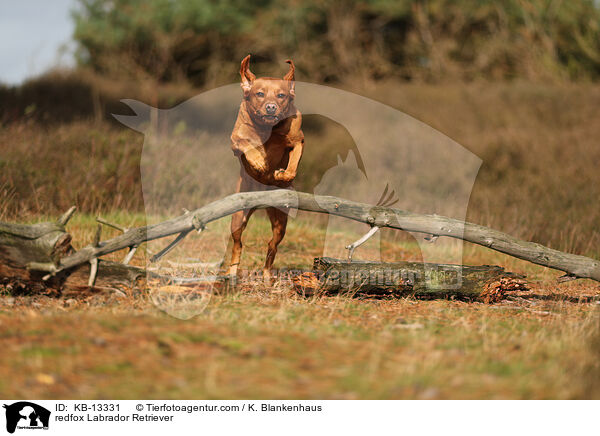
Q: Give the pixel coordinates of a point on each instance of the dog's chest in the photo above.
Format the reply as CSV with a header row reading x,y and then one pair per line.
x,y
277,150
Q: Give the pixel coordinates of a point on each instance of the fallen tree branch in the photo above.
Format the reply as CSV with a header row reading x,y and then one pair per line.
x,y
28,252
424,280
24,247
573,265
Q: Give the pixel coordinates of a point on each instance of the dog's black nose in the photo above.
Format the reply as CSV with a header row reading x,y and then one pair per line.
x,y
271,108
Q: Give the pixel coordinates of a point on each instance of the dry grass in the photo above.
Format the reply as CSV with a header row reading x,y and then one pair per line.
x,y
269,342
271,345
538,144
539,182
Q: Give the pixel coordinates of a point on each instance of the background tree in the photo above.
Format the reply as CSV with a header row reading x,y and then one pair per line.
x,y
333,40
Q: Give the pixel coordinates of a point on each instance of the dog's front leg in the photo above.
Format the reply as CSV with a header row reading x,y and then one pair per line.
x,y
289,174
252,153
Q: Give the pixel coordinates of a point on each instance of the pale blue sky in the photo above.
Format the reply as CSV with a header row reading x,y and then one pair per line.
x,y
31,34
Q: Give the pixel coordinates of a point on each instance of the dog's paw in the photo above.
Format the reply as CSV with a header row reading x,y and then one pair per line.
x,y
283,176
256,160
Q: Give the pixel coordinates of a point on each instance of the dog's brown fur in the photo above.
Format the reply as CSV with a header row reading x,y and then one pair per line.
x,y
269,142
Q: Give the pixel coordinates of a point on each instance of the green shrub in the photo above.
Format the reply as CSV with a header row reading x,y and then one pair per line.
x,y
334,40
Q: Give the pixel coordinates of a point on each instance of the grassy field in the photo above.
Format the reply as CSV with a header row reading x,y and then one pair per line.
x,y
273,343
539,181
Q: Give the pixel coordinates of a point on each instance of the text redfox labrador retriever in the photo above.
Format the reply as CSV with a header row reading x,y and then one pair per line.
x,y
268,140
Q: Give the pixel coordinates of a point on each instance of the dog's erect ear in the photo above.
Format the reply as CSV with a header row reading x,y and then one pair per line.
x,y
290,74
247,75
290,77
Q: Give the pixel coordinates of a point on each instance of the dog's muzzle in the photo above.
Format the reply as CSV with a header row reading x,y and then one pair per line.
x,y
268,118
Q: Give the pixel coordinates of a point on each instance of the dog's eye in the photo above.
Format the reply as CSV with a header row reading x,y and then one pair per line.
x,y
280,95
260,94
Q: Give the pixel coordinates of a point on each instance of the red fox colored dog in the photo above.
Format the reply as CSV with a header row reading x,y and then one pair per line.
x,y
268,140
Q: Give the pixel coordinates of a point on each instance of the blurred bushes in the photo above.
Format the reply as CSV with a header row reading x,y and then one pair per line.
x,y
333,40
71,95
46,169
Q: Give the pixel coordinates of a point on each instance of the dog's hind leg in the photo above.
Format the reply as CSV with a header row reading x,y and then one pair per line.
x,y
278,219
239,221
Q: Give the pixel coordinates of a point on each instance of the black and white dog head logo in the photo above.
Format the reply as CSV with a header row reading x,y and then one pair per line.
x,y
26,415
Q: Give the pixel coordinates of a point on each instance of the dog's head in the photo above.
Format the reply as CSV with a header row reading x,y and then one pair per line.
x,y
268,100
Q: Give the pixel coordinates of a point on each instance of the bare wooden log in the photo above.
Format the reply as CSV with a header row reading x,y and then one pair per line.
x,y
424,280
30,254
435,225
109,274
27,252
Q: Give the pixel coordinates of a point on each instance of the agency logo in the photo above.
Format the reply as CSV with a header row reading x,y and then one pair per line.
x,y
24,415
